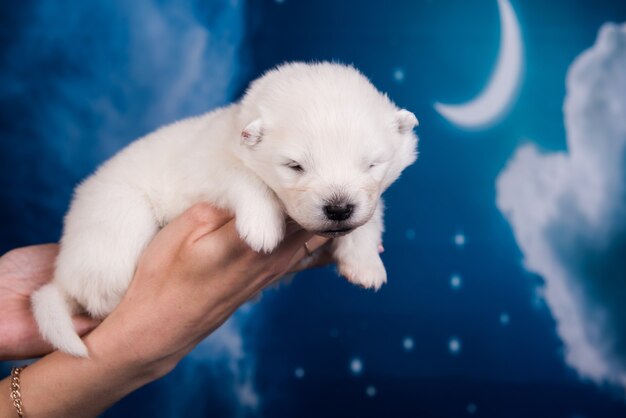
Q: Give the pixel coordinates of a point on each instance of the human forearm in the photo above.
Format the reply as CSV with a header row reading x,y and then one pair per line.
x,y
60,385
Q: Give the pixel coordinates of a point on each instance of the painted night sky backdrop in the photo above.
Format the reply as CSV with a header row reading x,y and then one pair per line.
x,y
505,245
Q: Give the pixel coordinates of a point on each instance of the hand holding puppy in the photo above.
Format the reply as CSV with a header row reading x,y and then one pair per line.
x,y
190,279
193,276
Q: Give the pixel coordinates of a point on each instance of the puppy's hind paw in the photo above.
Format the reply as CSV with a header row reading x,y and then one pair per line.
x,y
367,273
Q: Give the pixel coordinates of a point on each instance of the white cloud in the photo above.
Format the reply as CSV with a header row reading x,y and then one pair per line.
x,y
103,73
568,212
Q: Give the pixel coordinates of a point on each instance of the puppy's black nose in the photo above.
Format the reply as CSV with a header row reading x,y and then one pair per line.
x,y
338,212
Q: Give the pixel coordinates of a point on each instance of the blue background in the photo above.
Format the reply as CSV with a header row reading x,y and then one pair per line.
x,y
79,80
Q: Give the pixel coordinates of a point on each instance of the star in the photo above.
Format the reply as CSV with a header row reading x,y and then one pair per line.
x,y
454,345
408,343
459,239
455,281
398,75
356,366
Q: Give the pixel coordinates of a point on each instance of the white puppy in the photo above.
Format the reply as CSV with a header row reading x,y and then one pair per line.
x,y
316,142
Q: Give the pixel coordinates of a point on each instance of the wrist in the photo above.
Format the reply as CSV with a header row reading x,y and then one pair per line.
x,y
118,351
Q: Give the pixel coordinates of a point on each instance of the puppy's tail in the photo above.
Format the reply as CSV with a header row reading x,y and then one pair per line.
x,y
54,319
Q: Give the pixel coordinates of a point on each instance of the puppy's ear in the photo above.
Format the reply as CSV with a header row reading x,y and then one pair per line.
x,y
253,133
405,121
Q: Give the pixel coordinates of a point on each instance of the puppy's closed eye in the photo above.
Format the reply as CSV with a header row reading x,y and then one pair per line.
x,y
376,162
295,166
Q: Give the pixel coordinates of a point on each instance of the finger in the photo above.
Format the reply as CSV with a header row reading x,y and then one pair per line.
x,y
48,251
180,234
305,244
315,243
223,243
84,324
34,263
195,223
292,227
231,241
324,259
319,258
204,219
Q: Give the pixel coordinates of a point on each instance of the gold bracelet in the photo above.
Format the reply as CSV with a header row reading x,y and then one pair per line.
x,y
16,395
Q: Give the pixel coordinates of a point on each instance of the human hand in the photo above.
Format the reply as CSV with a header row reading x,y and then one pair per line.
x,y
194,274
22,271
189,280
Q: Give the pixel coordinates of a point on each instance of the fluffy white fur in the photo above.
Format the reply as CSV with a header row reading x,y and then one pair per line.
x,y
304,138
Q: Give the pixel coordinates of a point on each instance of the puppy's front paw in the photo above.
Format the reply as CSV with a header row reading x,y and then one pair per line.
x,y
368,272
262,233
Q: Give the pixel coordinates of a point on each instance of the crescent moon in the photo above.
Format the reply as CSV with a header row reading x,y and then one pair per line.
x,y
501,91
